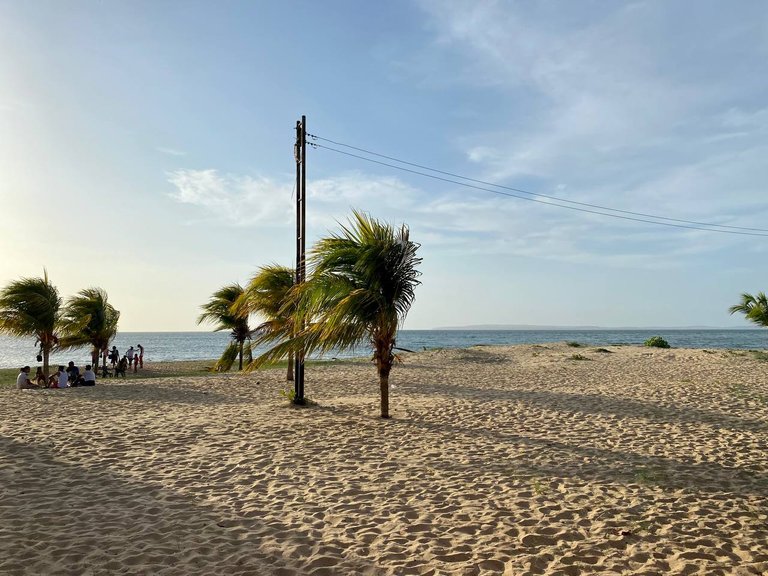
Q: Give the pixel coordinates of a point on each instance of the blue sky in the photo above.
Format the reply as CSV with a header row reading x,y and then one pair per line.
x,y
147,148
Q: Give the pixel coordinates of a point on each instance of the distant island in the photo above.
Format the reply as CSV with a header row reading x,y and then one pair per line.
x,y
571,328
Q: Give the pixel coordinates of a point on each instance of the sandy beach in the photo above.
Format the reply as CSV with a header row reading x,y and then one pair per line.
x,y
506,461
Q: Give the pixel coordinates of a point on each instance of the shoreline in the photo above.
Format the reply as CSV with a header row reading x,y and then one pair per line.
x,y
505,461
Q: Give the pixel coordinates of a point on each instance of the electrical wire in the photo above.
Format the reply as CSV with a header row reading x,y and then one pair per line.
x,y
501,193
521,191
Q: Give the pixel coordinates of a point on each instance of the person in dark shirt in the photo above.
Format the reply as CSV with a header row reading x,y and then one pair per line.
x,y
73,373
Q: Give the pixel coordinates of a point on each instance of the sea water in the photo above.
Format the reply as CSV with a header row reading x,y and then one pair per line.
x,y
170,346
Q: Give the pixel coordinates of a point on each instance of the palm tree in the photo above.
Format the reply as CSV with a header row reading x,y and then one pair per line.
x,y
267,294
32,307
89,319
361,288
754,308
220,312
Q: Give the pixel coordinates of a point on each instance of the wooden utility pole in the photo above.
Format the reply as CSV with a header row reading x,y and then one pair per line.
x,y
300,153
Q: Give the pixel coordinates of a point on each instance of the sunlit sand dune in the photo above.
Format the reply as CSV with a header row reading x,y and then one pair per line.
x,y
522,460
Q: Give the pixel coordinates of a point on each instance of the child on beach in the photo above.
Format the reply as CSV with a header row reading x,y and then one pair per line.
x,y
121,367
40,377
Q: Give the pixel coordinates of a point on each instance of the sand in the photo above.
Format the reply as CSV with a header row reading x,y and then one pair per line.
x,y
509,461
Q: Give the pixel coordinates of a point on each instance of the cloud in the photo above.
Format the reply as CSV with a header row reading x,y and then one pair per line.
x,y
232,199
616,105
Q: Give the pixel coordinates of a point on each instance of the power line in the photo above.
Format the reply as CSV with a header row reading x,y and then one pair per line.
x,y
521,191
501,193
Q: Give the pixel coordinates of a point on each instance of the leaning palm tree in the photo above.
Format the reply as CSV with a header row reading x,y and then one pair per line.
x,y
32,307
360,290
89,319
754,308
220,312
267,295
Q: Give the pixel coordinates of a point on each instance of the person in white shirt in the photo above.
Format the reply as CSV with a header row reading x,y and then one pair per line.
x,y
89,376
22,380
129,354
63,378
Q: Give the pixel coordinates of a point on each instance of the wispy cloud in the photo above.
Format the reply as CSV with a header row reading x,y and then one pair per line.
x,y
454,222
232,199
616,105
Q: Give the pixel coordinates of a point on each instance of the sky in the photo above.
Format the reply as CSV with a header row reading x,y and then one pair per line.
x,y
146,147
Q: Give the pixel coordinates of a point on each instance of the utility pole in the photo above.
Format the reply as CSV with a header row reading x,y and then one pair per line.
x,y
300,153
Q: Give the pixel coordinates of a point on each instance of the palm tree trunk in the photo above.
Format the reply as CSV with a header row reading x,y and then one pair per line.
x,y
95,358
241,356
46,357
384,388
289,375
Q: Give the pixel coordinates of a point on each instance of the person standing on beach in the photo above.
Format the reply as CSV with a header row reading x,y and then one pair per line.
x,y
129,354
140,359
114,356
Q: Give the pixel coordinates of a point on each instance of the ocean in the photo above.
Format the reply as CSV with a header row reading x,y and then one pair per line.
x,y
169,346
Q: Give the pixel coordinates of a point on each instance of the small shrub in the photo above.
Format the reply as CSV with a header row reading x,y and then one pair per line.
x,y
656,342
573,344
290,395
578,357
603,351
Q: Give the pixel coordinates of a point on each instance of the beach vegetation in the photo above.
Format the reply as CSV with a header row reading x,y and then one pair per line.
x,y
759,355
577,357
220,312
656,342
31,307
89,319
603,351
290,395
649,476
268,295
754,308
360,288
573,344
539,487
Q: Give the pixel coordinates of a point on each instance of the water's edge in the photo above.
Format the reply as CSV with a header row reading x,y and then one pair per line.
x,y
172,346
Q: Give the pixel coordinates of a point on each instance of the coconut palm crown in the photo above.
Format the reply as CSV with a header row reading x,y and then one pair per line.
x,y
220,312
754,308
89,318
268,295
32,307
361,287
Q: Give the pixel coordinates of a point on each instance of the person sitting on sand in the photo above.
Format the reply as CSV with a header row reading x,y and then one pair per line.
x,y
89,376
121,367
73,372
22,380
40,378
60,379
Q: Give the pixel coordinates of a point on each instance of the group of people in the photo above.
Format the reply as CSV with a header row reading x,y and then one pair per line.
x,y
133,358
64,378
71,375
